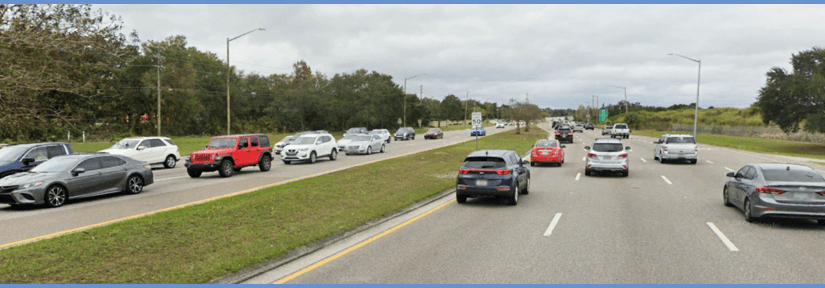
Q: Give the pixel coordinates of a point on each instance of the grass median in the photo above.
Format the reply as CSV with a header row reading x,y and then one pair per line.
x,y
768,146
203,242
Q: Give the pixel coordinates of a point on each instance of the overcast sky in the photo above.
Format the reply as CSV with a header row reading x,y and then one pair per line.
x,y
559,54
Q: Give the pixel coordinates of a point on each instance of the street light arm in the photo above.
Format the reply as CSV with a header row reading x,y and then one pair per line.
x,y
239,36
691,59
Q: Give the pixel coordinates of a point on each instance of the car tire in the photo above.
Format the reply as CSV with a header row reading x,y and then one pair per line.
x,y
313,157
726,197
134,185
533,164
369,150
170,162
625,173
286,162
265,164
333,155
693,162
193,172
226,168
460,199
513,199
747,210
586,172
820,222
56,196
413,137
382,148
526,187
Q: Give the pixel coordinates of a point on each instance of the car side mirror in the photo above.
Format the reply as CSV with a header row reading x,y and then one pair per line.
x,y
525,163
77,171
563,146
141,148
27,160
731,174
627,148
586,147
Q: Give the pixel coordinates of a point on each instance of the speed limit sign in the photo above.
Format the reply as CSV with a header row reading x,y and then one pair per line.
x,y
476,119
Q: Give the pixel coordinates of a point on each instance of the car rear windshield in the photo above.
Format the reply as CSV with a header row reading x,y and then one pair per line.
x,y
546,144
621,126
793,175
608,147
484,163
680,140
564,130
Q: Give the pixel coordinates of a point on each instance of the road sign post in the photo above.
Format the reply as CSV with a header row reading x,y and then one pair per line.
x,y
476,122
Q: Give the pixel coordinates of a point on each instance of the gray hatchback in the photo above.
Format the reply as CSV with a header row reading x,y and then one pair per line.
x,y
75,176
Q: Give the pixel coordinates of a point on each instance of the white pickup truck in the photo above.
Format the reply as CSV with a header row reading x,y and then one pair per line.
x,y
620,130
671,147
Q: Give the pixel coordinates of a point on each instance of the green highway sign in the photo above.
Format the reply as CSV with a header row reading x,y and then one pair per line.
x,y
603,115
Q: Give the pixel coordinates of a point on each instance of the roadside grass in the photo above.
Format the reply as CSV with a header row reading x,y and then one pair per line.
x,y
768,146
663,120
203,242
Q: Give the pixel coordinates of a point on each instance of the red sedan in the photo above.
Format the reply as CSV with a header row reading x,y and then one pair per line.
x,y
547,151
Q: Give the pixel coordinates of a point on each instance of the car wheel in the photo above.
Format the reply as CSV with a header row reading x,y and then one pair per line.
x,y
287,162
413,137
513,200
369,150
586,172
820,222
266,163
170,162
226,168
56,196
193,173
748,211
135,184
333,155
533,164
726,197
693,162
382,148
460,199
526,187
313,157
625,173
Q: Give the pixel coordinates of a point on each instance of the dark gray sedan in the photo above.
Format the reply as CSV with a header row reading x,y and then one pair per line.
x,y
75,176
777,190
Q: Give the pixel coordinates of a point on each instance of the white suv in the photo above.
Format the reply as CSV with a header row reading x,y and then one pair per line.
x,y
310,147
152,150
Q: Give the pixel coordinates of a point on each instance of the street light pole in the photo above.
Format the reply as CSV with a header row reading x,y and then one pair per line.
x,y
227,77
625,96
698,78
405,98
466,101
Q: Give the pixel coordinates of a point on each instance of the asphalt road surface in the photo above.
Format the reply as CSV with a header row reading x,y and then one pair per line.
x,y
173,187
665,223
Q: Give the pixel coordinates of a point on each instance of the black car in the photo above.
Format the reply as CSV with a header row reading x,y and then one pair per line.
x,y
405,133
589,126
493,173
564,134
24,157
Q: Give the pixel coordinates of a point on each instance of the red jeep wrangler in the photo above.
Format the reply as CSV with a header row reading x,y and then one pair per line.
x,y
228,154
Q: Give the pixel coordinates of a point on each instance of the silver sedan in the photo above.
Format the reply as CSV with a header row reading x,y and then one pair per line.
x,y
776,190
365,144
75,176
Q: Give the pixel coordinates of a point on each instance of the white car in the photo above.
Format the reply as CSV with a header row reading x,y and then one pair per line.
x,y
152,150
310,147
500,125
384,133
365,144
281,144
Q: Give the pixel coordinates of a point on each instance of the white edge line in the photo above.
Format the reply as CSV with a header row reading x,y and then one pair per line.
x,y
711,162
722,237
164,179
668,181
643,160
552,224
578,175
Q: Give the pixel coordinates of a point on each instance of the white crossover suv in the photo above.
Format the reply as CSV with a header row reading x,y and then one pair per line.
x,y
310,147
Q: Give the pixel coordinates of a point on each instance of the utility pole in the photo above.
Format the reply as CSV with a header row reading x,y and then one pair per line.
x,y
158,66
466,101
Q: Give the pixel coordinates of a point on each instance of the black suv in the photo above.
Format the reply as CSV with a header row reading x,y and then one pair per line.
x,y
564,134
495,173
24,157
405,133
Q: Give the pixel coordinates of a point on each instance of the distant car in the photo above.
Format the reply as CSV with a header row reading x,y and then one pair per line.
x,y
342,143
607,155
434,133
355,130
3,145
152,150
607,130
776,190
620,130
579,127
500,125
564,134
365,144
75,176
493,173
229,154
672,147
589,126
310,147
384,133
405,133
478,131
24,157
281,144
547,151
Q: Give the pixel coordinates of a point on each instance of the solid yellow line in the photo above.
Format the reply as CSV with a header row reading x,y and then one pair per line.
x,y
359,245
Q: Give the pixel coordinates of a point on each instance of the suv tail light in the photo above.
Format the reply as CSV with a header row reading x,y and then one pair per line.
x,y
591,155
502,172
664,149
571,133
622,156
463,171
558,133
763,189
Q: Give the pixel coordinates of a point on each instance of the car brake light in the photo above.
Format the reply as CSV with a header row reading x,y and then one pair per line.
x,y
463,171
558,133
763,189
664,149
570,133
622,156
503,188
502,172
591,155
696,148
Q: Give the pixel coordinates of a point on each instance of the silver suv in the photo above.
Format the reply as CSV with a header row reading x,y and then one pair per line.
x,y
679,147
607,155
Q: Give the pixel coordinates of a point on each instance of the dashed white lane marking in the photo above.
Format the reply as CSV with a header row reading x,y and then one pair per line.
x,y
731,170
668,181
552,225
711,162
643,160
722,237
164,179
578,175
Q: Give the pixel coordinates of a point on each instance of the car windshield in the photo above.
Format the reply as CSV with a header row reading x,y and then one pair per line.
x,y
56,165
126,144
477,127
792,175
288,139
349,137
680,140
12,153
402,130
433,131
621,126
607,147
353,130
484,163
222,143
546,144
362,138
304,140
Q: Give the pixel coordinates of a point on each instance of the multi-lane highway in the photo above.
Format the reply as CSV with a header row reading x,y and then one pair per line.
x,y
174,188
665,223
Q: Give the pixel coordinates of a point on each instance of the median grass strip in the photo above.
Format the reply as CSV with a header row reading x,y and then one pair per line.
x,y
203,242
768,146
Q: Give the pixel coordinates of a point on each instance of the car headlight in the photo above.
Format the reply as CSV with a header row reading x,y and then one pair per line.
x,y
31,185
304,149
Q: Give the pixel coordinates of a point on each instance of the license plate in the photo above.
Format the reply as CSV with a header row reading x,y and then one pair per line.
x,y
481,182
606,157
801,196
543,152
